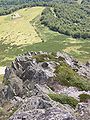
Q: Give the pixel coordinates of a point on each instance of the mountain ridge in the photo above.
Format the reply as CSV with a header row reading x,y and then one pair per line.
x,y
43,82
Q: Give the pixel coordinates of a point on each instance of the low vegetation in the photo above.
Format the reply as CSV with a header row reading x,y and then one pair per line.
x,y
54,41
16,27
17,34
66,76
64,99
43,57
9,6
84,97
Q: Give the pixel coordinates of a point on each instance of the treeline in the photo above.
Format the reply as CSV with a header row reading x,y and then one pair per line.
x,y
68,19
9,6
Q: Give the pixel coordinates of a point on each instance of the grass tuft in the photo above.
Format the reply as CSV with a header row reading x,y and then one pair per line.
x,y
84,97
66,76
64,99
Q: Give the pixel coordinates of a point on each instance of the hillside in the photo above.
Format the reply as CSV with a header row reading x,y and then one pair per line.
x,y
16,32
68,19
9,6
44,59
18,29
41,85
22,31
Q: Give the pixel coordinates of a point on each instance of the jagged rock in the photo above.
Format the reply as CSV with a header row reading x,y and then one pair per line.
x,y
25,72
41,91
38,73
28,115
83,111
35,108
26,85
41,114
8,92
87,64
8,72
35,102
16,101
45,65
56,114
13,85
2,96
43,88
73,92
81,69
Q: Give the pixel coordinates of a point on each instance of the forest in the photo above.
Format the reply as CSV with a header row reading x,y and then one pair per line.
x,y
9,6
68,19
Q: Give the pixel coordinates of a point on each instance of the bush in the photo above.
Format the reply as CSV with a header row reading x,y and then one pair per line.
x,y
84,97
64,99
68,77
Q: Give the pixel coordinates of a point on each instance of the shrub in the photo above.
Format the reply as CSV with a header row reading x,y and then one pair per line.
x,y
68,77
64,99
84,97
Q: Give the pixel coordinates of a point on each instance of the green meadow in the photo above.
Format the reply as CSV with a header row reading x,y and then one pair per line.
x,y
22,31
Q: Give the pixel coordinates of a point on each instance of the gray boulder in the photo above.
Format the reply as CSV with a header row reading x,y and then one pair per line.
x,y
83,111
41,114
36,108
81,69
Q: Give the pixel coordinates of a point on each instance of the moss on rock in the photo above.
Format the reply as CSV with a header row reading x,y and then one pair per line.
x,y
68,77
64,99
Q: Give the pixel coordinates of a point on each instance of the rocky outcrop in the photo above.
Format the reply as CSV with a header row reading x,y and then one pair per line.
x,y
37,108
30,79
25,72
41,114
83,111
81,69
73,92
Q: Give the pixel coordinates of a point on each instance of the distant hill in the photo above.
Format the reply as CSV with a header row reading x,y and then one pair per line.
x,y
9,6
68,19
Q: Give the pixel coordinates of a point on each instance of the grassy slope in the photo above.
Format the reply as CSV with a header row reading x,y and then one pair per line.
x,y
53,41
17,33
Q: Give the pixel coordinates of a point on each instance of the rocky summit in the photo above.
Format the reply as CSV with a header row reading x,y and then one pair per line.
x,y
45,86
